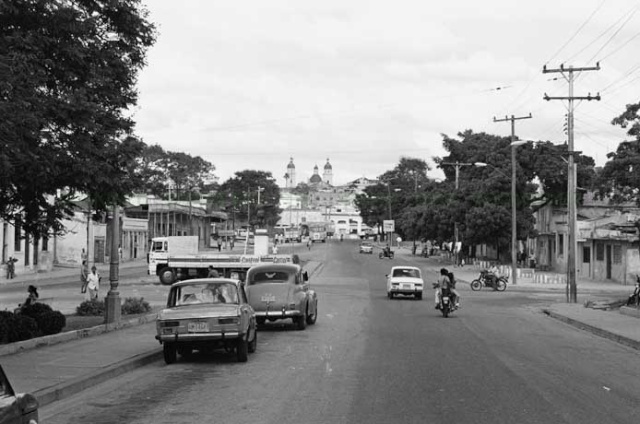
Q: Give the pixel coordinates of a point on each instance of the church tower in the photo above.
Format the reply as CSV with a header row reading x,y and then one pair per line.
x,y
290,176
327,174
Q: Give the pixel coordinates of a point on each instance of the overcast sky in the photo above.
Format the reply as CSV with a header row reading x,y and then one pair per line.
x,y
248,84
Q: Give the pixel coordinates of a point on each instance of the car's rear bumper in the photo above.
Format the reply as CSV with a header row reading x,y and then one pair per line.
x,y
405,291
200,337
288,313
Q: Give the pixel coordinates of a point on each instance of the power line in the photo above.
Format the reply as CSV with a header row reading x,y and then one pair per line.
x,y
577,32
626,21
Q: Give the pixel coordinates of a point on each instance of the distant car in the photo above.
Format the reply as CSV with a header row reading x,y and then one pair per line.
x,y
366,247
405,280
207,313
282,291
16,408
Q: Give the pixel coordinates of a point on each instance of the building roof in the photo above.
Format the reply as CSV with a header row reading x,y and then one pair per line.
x,y
327,165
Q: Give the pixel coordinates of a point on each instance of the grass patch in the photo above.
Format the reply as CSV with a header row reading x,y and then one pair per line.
x,y
76,322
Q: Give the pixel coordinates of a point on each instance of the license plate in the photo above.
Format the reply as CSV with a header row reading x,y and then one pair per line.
x,y
268,298
406,286
198,327
445,300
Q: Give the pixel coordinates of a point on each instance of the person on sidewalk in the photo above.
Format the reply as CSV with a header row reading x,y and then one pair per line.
x,y
11,268
93,283
31,298
84,273
219,244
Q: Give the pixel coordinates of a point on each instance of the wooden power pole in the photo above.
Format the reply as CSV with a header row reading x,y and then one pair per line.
x,y
572,244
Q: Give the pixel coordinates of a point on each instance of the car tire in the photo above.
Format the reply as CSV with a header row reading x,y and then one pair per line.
x,y
170,353
253,344
419,296
476,285
301,322
185,351
167,276
260,321
311,319
242,349
390,295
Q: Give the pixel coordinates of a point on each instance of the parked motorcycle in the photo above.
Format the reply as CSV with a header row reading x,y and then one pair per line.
x,y
386,253
634,298
484,280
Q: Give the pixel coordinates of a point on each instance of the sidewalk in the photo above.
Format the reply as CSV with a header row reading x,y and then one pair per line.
x,y
56,371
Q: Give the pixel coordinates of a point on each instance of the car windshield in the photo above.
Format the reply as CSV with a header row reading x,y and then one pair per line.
x,y
404,272
271,277
206,293
366,244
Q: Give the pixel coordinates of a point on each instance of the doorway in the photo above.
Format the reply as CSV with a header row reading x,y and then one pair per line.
x,y
608,262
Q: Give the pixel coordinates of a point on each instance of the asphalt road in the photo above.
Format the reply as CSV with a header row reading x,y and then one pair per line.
x,y
372,360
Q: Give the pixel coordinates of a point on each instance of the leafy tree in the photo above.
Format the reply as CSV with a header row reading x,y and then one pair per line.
x,y
187,173
67,78
620,178
241,192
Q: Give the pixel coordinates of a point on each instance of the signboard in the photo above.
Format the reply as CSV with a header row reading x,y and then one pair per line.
x,y
389,225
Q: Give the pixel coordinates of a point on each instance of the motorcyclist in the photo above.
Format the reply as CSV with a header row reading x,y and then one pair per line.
x,y
634,298
445,282
386,251
492,276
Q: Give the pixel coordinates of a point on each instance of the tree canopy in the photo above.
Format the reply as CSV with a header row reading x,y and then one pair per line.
x,y
239,196
68,72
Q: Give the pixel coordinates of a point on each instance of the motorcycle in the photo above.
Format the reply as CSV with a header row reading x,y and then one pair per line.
x,y
446,303
634,298
386,253
484,280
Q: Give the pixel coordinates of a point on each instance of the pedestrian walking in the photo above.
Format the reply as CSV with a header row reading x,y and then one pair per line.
x,y
93,283
309,243
232,242
84,273
11,267
219,244
274,249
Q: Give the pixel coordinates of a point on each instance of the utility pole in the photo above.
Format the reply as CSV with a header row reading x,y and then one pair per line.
x,y
572,244
514,226
457,166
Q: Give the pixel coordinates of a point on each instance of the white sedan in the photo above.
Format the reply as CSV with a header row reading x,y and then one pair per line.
x,y
405,280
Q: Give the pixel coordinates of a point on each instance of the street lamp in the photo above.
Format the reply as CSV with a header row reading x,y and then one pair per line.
x,y
514,227
457,166
386,182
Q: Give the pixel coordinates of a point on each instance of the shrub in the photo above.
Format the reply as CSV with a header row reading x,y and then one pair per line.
x,y
36,309
24,328
135,305
51,322
91,307
7,323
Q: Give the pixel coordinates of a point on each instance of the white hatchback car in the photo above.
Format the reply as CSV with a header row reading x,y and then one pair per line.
x,y
405,280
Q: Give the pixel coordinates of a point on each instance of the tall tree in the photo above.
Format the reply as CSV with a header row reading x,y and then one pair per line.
x,y
68,70
620,178
241,192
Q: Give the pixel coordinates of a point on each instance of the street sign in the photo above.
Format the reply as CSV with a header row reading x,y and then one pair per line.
x,y
389,225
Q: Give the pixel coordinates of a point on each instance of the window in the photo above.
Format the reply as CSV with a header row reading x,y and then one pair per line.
x,y
586,254
617,254
600,252
560,245
17,246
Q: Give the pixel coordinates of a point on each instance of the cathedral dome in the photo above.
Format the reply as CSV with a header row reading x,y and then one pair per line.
x,y
315,178
291,165
327,165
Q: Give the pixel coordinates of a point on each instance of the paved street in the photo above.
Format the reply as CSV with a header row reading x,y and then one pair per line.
x,y
373,360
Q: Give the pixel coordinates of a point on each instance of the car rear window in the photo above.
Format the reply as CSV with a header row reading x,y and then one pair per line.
x,y
271,277
412,273
202,294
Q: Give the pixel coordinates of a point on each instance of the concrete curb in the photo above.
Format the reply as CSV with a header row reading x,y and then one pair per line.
x,y
630,311
68,388
12,348
634,344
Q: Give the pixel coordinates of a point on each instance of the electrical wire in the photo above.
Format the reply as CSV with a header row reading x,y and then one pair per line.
x,y
577,31
626,21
